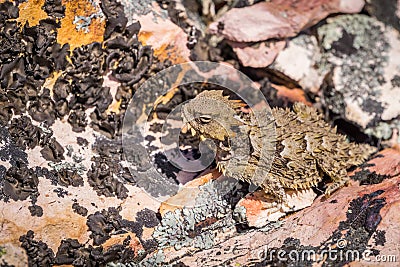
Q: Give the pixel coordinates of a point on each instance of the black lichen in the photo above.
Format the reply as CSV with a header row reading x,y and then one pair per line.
x,y
39,254
29,55
54,8
36,210
109,222
380,238
20,182
81,210
9,152
82,141
71,252
64,177
103,179
148,218
366,177
61,192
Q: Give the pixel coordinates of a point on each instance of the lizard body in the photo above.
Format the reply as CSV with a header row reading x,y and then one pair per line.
x,y
306,147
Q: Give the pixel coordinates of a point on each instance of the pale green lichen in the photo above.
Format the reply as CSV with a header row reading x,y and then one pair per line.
x,y
384,130
156,259
83,22
239,214
355,51
64,165
181,227
363,28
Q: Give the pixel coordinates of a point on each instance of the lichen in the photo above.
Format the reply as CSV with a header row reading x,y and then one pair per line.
x,y
64,165
239,214
183,227
356,51
383,130
157,259
83,22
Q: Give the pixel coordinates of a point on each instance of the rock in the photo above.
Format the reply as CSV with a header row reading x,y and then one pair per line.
x,y
134,242
297,61
158,30
282,96
387,11
362,85
277,19
259,55
358,217
186,197
288,95
260,210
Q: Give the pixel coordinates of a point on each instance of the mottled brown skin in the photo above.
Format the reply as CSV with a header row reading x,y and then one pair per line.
x,y
306,146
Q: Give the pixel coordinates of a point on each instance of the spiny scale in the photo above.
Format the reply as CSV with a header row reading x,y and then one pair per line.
x,y
307,147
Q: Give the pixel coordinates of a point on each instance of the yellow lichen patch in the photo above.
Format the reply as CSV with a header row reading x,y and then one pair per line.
x,y
51,80
114,107
31,12
68,32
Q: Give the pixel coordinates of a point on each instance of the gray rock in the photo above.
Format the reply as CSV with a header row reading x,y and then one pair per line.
x,y
298,60
387,11
361,57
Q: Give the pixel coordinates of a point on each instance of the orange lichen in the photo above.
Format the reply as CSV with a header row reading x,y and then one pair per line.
x,y
68,32
167,39
31,12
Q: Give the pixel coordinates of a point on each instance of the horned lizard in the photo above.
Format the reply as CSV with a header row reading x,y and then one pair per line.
x,y
306,147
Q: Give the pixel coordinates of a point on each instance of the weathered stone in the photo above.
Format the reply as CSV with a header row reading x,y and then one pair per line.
x,y
259,55
260,209
298,60
387,11
361,56
277,18
186,197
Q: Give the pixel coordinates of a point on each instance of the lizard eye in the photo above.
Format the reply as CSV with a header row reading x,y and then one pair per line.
x,y
205,118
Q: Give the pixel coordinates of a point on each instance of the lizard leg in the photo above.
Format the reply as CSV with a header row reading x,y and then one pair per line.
x,y
273,186
336,185
337,173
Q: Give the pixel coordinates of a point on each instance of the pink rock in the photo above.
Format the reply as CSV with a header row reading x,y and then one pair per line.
x,y
260,208
187,195
313,226
278,18
257,56
166,38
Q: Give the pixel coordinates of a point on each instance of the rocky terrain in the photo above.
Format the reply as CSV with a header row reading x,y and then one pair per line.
x,y
88,97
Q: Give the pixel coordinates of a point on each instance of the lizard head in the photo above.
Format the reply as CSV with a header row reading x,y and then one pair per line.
x,y
212,115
